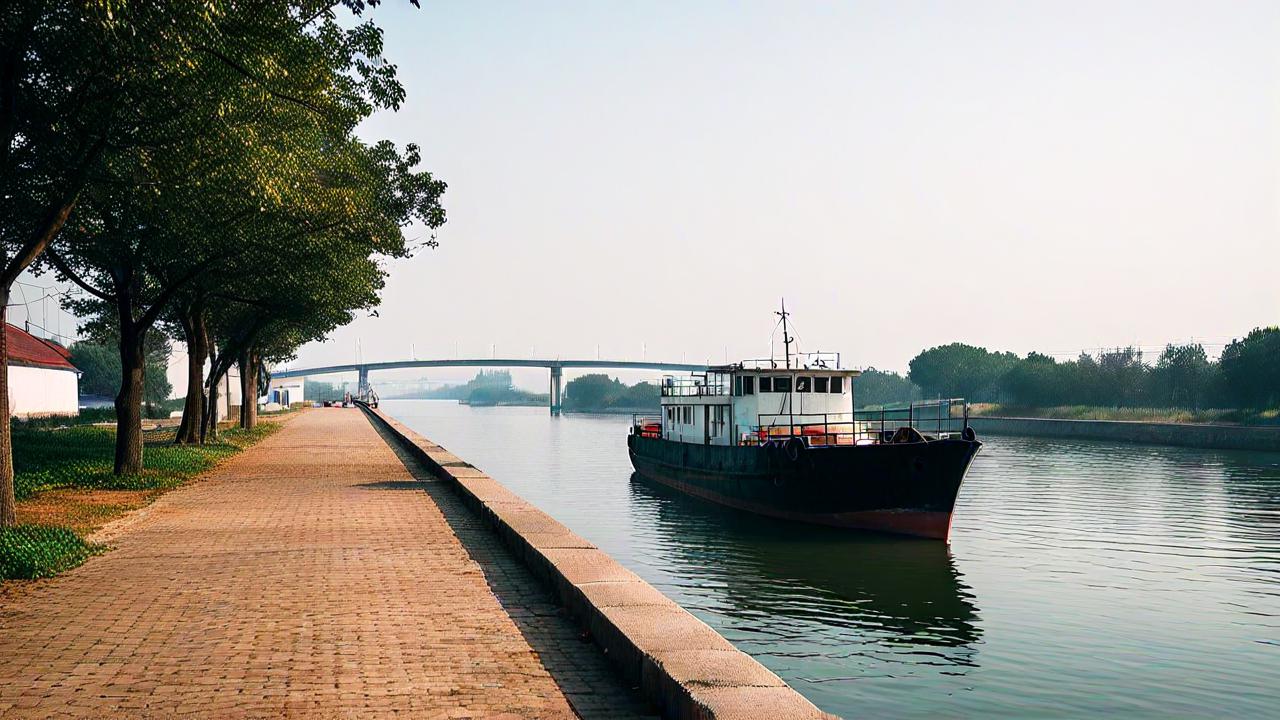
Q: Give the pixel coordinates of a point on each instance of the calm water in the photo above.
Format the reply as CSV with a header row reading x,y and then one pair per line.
x,y
1083,578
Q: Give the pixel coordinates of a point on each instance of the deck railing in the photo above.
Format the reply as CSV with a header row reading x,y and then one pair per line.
x,y
695,386
932,420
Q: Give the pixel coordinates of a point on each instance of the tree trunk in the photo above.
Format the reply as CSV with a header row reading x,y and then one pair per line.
x,y
8,503
129,401
210,433
217,369
255,370
248,389
189,432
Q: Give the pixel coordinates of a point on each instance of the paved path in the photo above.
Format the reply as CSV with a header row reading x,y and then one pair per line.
x,y
309,576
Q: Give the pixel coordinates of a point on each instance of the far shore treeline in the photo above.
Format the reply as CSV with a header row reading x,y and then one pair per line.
x,y
192,170
1246,376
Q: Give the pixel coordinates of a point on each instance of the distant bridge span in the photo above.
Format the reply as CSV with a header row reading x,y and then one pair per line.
x,y
555,366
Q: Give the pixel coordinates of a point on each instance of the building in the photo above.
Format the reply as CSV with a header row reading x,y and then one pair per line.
x,y
229,395
285,391
42,380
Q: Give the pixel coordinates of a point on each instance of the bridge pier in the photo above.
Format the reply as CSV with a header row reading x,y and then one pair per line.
x,y
362,385
554,395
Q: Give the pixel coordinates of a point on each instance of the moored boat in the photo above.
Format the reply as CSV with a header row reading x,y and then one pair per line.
x,y
783,438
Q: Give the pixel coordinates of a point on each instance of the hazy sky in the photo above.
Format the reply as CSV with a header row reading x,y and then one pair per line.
x,y
1049,176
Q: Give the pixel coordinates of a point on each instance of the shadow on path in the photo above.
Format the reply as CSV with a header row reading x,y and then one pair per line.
x,y
581,671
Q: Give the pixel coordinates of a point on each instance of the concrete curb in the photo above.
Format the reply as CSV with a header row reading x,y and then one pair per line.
x,y
682,666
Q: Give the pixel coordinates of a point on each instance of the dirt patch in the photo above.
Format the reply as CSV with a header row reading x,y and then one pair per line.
x,y
81,510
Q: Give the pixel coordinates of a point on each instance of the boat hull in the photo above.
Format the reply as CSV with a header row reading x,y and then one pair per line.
x,y
905,488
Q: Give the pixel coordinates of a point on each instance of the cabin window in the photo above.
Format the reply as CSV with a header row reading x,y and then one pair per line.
x,y
748,385
804,384
737,385
837,385
782,384
766,384
820,384
687,411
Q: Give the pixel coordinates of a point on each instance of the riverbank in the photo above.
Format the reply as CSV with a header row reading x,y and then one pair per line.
x,y
1195,435
1207,416
681,665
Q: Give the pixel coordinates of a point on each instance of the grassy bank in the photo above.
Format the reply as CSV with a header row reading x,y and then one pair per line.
x,y
66,490
1169,415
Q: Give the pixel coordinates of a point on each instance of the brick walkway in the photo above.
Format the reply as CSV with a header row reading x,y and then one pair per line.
x,y
309,576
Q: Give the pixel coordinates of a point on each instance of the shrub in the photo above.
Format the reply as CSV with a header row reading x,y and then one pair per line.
x,y
37,551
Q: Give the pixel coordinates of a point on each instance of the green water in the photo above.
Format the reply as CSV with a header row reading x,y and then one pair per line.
x,y
1084,579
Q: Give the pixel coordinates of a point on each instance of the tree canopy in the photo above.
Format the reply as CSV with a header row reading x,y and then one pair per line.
x,y
1247,375
194,169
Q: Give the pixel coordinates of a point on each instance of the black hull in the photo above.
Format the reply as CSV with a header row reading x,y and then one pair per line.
x,y
906,488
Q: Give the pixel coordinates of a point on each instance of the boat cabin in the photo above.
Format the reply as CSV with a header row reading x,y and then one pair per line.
x,y
752,402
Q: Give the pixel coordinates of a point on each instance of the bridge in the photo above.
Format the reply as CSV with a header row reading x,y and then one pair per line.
x,y
556,367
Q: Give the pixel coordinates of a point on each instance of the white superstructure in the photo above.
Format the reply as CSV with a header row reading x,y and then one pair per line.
x,y
750,402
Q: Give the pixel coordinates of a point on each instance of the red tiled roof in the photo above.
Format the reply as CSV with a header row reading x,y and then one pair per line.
x,y
27,349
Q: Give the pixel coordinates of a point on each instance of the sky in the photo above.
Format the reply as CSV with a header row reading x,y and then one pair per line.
x,y
650,179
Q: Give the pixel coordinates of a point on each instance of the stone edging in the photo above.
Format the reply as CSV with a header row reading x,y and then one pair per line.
x,y
681,666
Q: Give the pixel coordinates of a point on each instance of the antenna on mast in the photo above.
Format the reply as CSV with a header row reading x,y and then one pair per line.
x,y
786,337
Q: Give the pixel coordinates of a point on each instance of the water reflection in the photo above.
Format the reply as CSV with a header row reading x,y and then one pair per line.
x,y
1089,579
906,591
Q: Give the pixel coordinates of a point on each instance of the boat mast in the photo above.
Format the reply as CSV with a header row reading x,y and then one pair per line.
x,y
786,338
786,345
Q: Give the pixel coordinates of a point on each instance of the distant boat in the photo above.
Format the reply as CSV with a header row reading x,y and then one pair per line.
x,y
786,442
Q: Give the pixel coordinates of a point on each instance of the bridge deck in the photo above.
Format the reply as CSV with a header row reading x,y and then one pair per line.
x,y
490,362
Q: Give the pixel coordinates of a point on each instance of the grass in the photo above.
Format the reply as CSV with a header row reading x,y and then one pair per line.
x,y
65,487
81,457
1172,415
36,551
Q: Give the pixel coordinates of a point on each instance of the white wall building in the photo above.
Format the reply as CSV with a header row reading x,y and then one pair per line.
x,y
42,380
285,391
229,395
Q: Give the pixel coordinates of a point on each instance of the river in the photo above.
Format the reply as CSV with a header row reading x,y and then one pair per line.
x,y
1082,579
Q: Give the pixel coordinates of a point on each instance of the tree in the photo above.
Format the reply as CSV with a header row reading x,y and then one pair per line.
x,y
84,82
878,387
1181,376
1036,380
1250,369
98,361
591,392
642,395
959,370
281,171
99,367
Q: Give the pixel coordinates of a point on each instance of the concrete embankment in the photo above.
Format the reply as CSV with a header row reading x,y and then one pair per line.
x,y
682,666
1219,437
